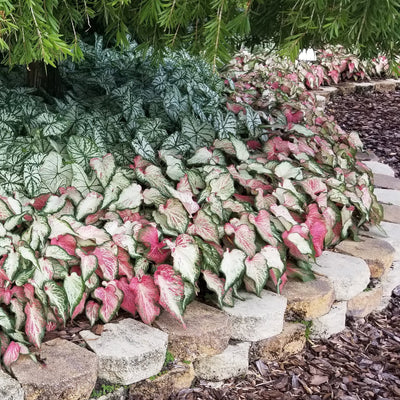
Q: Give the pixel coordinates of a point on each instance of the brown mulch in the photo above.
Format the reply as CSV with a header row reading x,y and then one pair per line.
x,y
361,363
376,116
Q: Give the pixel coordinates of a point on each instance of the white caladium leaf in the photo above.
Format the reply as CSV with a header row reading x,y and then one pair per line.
x,y
273,258
257,272
202,156
59,227
57,252
161,220
40,232
5,211
155,178
283,214
244,237
92,283
347,221
11,264
92,311
223,186
232,266
54,204
118,182
54,174
130,197
89,205
35,325
262,223
241,151
153,196
28,254
211,258
215,284
81,149
13,221
88,263
186,255
175,168
72,194
74,288
204,227
186,198
44,273
286,170
176,216
90,232
171,289
57,298
17,307
108,261
298,241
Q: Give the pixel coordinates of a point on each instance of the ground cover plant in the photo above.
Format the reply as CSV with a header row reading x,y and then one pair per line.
x,y
149,191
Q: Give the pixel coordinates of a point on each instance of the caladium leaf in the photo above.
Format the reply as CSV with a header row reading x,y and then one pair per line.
x,y
313,186
223,186
262,223
11,354
81,149
146,297
298,242
66,242
153,196
108,261
80,307
211,258
84,183
88,263
130,197
72,194
317,227
215,284
28,254
128,302
176,216
273,258
90,232
202,156
57,252
204,227
5,212
92,311
186,255
89,205
35,325
57,298
111,298
11,264
74,288
17,307
171,289
283,215
104,168
232,266
4,342
186,198
54,204
256,274
54,174
244,237
6,322
286,170
157,252
59,227
40,232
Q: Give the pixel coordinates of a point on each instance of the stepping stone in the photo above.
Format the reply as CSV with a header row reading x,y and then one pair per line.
x,y
257,318
291,341
326,91
388,232
391,279
364,87
346,88
232,362
391,213
320,101
119,394
386,182
331,323
367,156
10,389
207,332
162,386
67,371
128,351
348,275
388,196
365,302
308,300
388,85
379,168
378,254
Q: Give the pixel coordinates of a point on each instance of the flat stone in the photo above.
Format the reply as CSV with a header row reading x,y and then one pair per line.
x,y
364,87
388,232
10,389
161,387
290,341
367,155
68,372
388,85
331,323
326,91
391,279
348,275
308,300
346,88
391,213
207,332
257,318
320,101
232,362
128,351
386,182
365,302
377,253
388,196
119,394
379,168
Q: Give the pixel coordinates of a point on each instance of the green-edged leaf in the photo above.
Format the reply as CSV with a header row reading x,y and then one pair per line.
x,y
142,147
197,133
232,266
225,126
88,205
74,288
92,311
54,174
35,325
130,197
6,321
215,284
176,215
57,298
5,212
40,232
11,264
111,298
28,254
54,204
204,227
85,183
223,186
211,259
104,168
108,261
81,149
273,258
88,263
256,274
57,252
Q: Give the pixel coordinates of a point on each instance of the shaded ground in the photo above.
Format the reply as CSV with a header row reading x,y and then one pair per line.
x,y
376,116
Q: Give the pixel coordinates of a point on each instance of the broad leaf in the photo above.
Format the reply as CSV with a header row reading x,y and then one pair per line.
x,y
111,298
35,322
233,267
74,288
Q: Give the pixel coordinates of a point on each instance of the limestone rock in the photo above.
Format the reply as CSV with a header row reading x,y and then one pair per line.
x,y
128,351
378,254
388,85
232,362
391,213
307,300
346,88
386,182
10,389
365,302
364,87
291,341
388,196
348,275
331,323
379,168
163,386
391,279
207,332
257,318
119,394
67,372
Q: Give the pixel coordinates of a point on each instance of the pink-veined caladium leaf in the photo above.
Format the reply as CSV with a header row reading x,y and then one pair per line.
x,y
176,215
124,264
12,353
128,302
313,186
284,216
185,196
89,263
111,298
92,311
4,342
204,227
317,227
146,297
171,288
72,194
244,237
74,288
215,284
57,298
104,168
17,307
38,203
298,242
88,205
232,266
107,260
186,255
90,232
126,242
202,156
66,242
80,307
35,325
223,186
262,222
157,251
256,274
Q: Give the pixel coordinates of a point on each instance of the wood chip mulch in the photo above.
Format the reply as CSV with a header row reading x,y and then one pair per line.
x,y
361,363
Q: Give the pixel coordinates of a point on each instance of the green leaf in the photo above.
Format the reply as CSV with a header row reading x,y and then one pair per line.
x,y
54,174
74,288
81,149
57,298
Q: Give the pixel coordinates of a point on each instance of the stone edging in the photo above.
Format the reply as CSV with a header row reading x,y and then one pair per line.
x,y
352,281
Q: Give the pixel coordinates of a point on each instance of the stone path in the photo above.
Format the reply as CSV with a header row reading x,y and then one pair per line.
x,y
352,281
